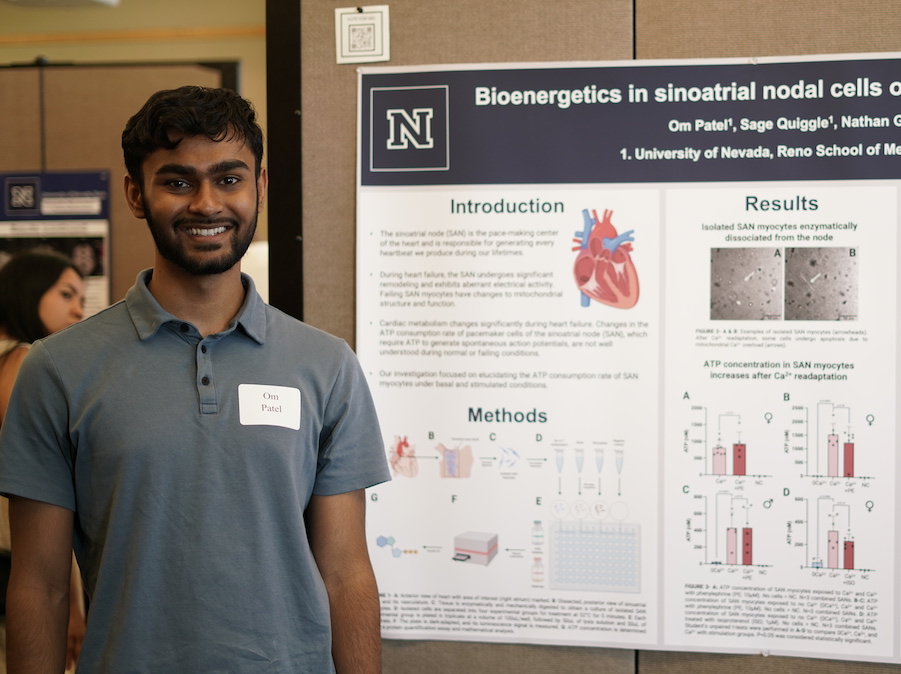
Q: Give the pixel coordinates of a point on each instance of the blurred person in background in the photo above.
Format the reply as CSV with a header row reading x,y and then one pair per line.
x,y
41,292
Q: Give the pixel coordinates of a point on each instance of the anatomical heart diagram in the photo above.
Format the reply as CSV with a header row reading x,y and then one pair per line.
x,y
603,268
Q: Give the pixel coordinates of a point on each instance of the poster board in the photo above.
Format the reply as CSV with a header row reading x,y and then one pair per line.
x,y
589,311
65,211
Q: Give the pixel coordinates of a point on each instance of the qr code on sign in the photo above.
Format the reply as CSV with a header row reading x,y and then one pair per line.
x,y
362,38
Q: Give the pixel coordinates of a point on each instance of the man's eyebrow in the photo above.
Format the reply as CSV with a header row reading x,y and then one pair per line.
x,y
221,167
226,166
177,169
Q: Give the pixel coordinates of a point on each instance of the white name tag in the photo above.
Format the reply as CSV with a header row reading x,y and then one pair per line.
x,y
262,405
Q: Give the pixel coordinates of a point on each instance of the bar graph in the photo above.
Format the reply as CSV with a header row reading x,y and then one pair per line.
x,y
726,447
831,543
739,459
828,441
834,423
834,539
734,535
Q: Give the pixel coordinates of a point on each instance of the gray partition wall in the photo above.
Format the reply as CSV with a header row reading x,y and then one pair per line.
x,y
474,31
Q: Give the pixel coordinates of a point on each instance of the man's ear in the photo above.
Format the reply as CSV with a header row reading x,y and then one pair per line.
x,y
134,197
262,186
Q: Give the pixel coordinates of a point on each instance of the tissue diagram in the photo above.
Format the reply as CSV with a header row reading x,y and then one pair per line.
x,y
455,461
603,269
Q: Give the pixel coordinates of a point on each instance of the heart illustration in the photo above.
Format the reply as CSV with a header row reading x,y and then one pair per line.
x,y
402,457
603,269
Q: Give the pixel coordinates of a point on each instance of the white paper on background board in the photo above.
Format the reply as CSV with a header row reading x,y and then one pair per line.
x,y
361,34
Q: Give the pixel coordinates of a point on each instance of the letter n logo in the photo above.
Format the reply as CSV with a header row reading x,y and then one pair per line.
x,y
406,129
22,196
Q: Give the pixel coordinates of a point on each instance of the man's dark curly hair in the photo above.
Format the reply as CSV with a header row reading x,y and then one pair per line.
x,y
218,114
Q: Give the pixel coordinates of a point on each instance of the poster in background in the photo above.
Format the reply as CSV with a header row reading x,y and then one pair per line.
x,y
63,211
631,328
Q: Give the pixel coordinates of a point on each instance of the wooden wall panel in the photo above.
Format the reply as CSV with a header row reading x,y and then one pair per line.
x,y
20,123
663,662
669,29
435,657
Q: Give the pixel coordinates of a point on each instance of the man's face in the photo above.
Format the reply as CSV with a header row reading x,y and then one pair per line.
x,y
201,202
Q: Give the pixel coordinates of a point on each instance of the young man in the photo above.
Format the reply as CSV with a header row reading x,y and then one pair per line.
x,y
206,453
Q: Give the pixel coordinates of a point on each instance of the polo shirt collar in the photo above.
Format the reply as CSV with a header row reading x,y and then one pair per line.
x,y
147,314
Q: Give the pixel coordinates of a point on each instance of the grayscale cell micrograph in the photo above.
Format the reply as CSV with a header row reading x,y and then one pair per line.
x,y
821,284
746,284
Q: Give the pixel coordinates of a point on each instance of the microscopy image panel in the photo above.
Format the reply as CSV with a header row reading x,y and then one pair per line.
x,y
746,284
821,284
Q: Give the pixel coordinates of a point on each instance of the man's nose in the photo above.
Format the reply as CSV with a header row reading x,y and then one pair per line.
x,y
206,199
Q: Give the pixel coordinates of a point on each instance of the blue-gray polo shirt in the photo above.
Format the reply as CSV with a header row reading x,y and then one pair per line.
x,y
189,462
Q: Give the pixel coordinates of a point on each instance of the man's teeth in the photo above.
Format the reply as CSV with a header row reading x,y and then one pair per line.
x,y
197,231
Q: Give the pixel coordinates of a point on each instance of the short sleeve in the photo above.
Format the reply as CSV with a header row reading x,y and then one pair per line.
x,y
351,451
36,452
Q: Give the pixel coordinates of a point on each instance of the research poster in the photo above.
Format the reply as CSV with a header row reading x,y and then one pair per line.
x,y
631,331
65,211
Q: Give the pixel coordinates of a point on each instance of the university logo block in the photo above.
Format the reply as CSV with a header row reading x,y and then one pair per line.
x,y
409,129
22,196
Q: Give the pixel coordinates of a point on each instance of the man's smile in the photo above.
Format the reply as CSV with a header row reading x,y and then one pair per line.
x,y
205,231
203,228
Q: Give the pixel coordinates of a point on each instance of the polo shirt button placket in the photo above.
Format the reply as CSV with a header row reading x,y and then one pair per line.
x,y
205,390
